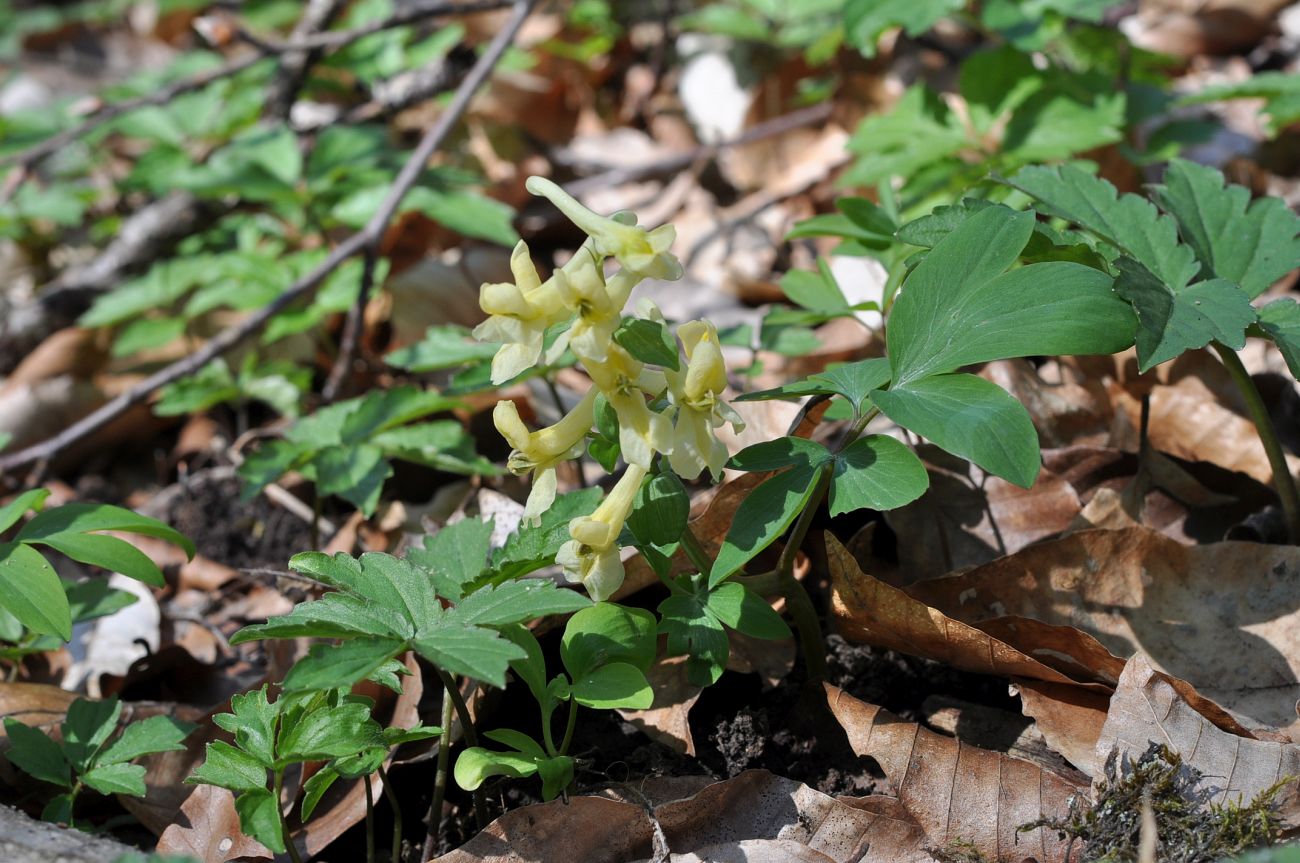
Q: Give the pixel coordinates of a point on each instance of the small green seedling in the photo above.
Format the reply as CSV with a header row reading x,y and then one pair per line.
x,y
330,726
346,448
85,758
30,589
606,651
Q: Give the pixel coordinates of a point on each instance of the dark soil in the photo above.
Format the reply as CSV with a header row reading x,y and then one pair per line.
x,y
239,534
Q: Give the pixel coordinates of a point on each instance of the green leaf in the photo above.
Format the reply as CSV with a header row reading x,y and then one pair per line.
x,y
14,510
958,307
109,552
866,20
1280,321
468,213
876,472
441,444
329,732
532,548
228,767
476,765
116,779
1251,246
85,517
443,347
1280,90
314,789
531,667
1171,322
354,473
253,722
32,751
694,631
920,131
469,650
455,555
1126,221
970,417
660,511
814,291
394,585
259,817
30,590
763,516
605,633
745,611
855,380
778,453
329,666
336,615
516,602
648,341
145,737
615,685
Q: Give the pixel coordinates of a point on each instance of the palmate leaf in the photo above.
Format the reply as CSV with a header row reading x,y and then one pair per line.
x,y
1173,314
1250,244
469,650
1280,321
960,306
455,555
876,472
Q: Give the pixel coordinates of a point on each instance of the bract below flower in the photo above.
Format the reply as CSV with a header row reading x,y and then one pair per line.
x,y
541,451
592,555
642,252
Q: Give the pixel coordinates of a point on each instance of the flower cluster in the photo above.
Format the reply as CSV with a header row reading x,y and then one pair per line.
x,y
660,411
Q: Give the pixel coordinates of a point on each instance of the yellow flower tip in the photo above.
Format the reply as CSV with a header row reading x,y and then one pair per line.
x,y
503,298
521,264
505,416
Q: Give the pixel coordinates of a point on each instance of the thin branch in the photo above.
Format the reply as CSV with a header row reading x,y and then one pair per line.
x,y
433,139
407,14
295,65
367,236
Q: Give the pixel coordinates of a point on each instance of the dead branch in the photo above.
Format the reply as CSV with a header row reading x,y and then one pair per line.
x,y
366,238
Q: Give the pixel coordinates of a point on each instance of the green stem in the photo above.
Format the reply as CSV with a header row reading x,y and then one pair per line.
x,y
1282,479
547,738
277,784
569,726
370,820
391,796
695,550
471,738
439,778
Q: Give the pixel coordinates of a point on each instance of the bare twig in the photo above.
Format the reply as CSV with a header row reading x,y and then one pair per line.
x,y
441,128
368,236
294,65
407,14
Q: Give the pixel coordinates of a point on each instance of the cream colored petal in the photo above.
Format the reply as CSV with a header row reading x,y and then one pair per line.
x,y
541,495
604,575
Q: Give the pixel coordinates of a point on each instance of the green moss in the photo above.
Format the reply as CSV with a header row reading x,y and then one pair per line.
x,y
1190,829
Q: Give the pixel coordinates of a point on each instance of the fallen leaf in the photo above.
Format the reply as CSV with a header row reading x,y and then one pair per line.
x,y
957,792
867,610
1146,707
667,720
591,829
1069,718
1224,617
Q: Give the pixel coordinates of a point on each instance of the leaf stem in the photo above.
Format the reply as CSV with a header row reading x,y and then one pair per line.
x,y
277,788
471,738
1283,482
439,778
396,805
569,726
370,820
695,551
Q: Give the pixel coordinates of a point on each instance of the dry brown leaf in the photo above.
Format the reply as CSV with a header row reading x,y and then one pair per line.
x,y
996,730
1225,618
207,828
1068,717
868,610
667,720
590,829
957,792
1146,708
1068,406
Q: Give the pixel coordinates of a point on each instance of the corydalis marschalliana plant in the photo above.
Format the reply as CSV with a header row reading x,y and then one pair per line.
x,y
672,411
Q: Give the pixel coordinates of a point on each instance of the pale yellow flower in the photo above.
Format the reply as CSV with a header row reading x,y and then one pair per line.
x,y
641,431
644,253
539,452
592,555
518,316
697,393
